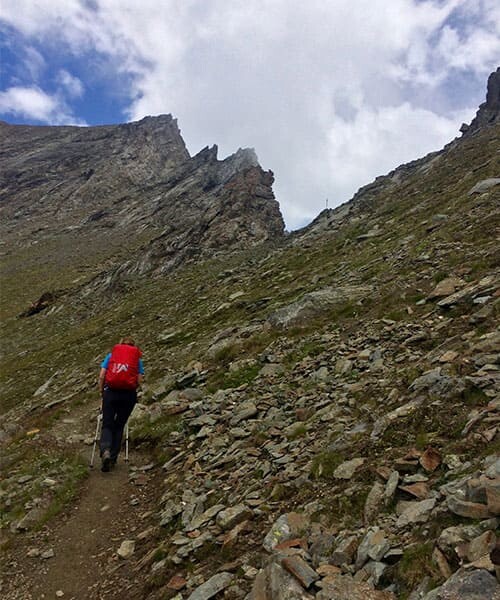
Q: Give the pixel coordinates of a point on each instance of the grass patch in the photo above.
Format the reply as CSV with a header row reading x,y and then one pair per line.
x,y
151,432
325,463
76,471
223,379
441,418
341,508
415,564
474,396
227,354
65,468
309,348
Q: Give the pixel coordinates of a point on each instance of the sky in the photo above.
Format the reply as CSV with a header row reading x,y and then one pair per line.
x,y
330,93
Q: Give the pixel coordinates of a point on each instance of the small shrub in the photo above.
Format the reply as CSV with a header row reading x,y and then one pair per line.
x,y
325,463
474,396
151,432
422,440
439,276
227,354
349,508
415,564
298,432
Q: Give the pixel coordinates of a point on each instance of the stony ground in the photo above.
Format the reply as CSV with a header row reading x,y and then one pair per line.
x,y
77,556
369,453
320,419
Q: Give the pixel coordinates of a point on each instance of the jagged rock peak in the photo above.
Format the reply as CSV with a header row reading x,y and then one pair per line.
x,y
247,156
160,124
488,112
135,180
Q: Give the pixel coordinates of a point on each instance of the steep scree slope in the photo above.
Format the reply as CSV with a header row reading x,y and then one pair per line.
x,y
320,418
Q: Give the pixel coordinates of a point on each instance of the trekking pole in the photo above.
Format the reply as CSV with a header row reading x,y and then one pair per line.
x,y
96,437
126,443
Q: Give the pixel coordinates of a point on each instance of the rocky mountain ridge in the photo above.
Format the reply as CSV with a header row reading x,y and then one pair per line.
x,y
488,112
320,420
486,116
133,192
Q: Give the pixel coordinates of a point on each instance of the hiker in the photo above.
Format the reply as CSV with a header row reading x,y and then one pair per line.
x,y
121,373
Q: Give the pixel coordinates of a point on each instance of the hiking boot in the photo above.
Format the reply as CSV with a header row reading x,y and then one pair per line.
x,y
106,461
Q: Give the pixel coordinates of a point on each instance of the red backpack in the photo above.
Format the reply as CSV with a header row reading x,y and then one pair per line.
x,y
123,367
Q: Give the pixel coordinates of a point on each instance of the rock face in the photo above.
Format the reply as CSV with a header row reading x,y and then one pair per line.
x,y
475,585
489,111
313,304
137,182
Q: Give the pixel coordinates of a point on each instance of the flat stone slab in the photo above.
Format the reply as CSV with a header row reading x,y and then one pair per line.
x,y
314,303
286,527
471,510
430,460
446,287
345,588
274,583
416,512
484,185
228,518
212,587
374,545
470,585
126,549
481,546
347,469
298,567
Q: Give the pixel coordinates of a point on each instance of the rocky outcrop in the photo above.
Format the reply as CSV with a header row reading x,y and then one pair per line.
x,y
64,173
133,182
489,111
370,197
313,304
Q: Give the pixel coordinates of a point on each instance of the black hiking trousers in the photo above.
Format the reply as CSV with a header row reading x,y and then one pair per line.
x,y
116,408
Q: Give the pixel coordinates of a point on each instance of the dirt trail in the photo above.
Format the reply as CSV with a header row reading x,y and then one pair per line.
x,y
110,508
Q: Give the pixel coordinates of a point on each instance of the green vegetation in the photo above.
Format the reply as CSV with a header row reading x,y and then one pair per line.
x,y
155,431
68,340
223,379
325,463
54,476
298,432
75,471
415,564
310,347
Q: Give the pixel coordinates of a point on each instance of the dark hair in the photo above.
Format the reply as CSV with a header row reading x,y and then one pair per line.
x,y
129,341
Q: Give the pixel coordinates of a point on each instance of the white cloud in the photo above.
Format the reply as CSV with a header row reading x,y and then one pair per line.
x,y
330,94
34,63
478,49
34,103
377,140
71,84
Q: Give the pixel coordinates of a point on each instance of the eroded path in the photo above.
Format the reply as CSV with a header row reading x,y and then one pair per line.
x,y
75,555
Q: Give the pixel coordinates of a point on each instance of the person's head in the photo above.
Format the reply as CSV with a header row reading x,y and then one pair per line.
x,y
127,340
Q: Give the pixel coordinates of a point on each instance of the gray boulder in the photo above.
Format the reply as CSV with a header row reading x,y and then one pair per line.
x,y
469,585
484,185
314,303
212,587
